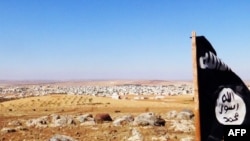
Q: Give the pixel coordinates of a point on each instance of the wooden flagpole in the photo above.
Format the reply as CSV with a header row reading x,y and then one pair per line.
x,y
195,87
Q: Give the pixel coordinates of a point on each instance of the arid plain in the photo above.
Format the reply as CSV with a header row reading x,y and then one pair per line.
x,y
45,116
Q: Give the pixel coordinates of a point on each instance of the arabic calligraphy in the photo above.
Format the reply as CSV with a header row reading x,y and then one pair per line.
x,y
230,119
230,108
226,108
211,61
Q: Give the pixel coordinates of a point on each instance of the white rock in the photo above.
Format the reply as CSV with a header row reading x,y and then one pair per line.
x,y
15,123
185,126
187,139
149,118
8,130
61,138
88,123
185,115
172,114
127,119
161,138
136,136
39,122
85,117
62,121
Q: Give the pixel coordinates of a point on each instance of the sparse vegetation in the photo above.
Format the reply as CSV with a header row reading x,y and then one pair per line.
x,y
90,100
68,104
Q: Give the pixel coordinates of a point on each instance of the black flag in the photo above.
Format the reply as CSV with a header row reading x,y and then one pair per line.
x,y
223,97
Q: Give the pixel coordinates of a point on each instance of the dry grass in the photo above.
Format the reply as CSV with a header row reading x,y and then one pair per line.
x,y
75,104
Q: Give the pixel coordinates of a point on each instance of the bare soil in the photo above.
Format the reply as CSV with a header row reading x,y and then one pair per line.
x,y
34,107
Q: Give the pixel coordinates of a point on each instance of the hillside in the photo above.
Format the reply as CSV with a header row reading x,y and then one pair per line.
x,y
23,110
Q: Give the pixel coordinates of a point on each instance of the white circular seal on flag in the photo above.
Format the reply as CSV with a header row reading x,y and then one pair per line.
x,y
230,108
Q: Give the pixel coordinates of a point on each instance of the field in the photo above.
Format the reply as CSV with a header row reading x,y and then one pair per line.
x,y
25,109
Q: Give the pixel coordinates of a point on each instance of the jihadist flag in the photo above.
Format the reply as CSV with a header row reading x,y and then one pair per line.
x,y
224,99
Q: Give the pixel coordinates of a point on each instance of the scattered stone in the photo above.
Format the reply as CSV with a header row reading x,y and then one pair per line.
x,y
185,115
61,138
21,128
136,136
39,122
8,130
172,114
15,123
54,117
86,117
124,120
185,126
161,138
187,139
88,123
149,118
101,117
62,121
159,122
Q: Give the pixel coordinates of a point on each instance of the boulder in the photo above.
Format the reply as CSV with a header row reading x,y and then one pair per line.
x,y
159,122
161,138
102,117
21,128
88,123
8,130
188,139
186,126
54,117
171,114
39,122
185,115
149,118
61,138
62,120
86,117
15,123
124,120
136,136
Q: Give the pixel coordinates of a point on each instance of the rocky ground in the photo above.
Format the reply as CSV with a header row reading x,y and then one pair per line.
x,y
127,127
129,117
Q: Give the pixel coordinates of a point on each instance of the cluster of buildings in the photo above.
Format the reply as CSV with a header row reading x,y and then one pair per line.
x,y
120,90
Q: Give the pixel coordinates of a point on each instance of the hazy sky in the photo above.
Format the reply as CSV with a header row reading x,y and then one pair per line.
x,y
118,39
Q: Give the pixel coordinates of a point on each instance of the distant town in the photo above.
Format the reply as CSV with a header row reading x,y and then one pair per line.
x,y
21,91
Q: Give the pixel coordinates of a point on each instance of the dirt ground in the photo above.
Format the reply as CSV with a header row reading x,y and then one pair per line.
x,y
62,104
34,107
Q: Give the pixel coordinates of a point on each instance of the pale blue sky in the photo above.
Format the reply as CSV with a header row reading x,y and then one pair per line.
x,y
118,39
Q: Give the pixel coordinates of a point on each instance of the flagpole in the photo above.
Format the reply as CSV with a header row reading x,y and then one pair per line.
x,y
195,87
